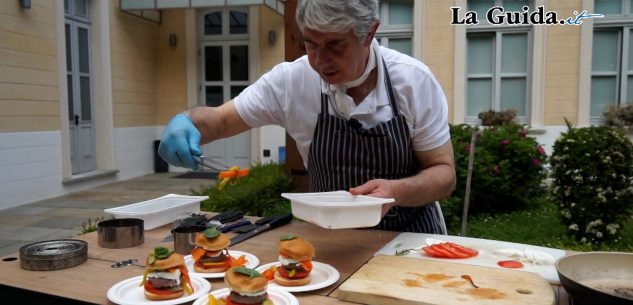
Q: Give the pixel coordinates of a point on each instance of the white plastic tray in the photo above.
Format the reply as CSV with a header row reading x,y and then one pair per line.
x,y
159,211
337,210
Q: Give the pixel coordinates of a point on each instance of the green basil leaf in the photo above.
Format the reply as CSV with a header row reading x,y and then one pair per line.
x,y
252,273
211,233
161,253
289,237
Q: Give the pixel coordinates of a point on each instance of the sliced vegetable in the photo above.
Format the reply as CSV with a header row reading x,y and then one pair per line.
x,y
307,265
470,280
197,253
239,262
185,274
212,300
510,264
269,274
449,250
148,286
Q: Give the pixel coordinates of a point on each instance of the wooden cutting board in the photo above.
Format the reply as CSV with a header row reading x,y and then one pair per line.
x,y
396,280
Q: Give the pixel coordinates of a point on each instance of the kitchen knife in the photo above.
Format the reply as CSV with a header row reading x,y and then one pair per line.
x,y
273,223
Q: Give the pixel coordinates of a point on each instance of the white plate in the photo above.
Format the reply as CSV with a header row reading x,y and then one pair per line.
x,y
251,262
278,296
128,292
323,275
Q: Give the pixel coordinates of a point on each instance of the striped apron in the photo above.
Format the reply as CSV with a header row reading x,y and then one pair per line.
x,y
344,155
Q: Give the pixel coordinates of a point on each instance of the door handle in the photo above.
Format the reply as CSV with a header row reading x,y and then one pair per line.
x,y
76,119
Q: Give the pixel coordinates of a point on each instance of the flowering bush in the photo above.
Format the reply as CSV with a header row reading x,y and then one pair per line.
x,y
619,115
496,118
507,170
592,171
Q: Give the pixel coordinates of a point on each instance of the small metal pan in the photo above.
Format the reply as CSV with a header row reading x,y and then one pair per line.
x,y
597,277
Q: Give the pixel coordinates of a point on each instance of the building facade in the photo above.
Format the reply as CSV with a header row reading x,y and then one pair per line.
x,y
87,86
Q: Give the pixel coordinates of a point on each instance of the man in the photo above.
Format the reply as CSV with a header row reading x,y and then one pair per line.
x,y
365,118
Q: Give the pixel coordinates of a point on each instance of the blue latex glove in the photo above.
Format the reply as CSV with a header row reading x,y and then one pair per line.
x,y
181,141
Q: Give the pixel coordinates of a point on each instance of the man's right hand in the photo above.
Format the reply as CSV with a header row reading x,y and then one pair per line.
x,y
181,141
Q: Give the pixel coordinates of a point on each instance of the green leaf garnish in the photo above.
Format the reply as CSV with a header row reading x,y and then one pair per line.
x,y
289,237
252,273
159,253
211,233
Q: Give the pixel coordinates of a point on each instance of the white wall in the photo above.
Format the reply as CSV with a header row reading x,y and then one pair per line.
x,y
271,137
30,163
30,167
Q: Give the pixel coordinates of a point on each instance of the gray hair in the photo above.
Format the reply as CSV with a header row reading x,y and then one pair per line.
x,y
338,16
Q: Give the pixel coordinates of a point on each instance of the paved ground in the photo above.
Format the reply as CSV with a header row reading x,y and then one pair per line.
x,y
63,217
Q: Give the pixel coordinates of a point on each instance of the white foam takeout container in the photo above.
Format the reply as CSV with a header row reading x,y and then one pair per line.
x,y
337,210
159,211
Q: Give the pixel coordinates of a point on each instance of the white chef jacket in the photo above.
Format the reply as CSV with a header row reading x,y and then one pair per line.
x,y
290,96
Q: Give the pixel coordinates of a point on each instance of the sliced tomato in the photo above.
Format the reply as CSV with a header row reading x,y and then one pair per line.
x,y
510,264
298,274
148,286
228,301
449,250
459,248
446,252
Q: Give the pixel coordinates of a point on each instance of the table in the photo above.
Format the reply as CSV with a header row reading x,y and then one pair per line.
x,y
346,250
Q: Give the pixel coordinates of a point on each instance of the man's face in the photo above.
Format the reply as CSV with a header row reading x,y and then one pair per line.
x,y
337,57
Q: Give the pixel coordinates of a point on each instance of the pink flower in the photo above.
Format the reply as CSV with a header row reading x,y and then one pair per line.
x,y
468,147
536,161
497,169
522,133
540,150
505,142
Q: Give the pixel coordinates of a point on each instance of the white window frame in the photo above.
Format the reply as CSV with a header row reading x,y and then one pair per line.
x,y
537,77
624,24
497,75
386,30
225,40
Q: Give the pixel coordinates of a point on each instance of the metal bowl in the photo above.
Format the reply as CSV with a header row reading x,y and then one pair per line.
x,y
597,277
120,233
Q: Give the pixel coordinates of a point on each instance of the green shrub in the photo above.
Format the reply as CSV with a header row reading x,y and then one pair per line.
x,y
507,170
258,194
496,118
592,171
619,115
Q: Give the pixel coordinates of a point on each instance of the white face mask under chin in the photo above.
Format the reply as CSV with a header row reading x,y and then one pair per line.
x,y
344,103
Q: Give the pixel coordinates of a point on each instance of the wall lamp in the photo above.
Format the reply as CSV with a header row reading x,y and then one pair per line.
x,y
25,4
272,37
173,40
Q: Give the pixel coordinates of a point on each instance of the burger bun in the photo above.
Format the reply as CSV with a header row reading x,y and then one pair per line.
x,y
212,244
160,297
208,270
242,283
297,248
291,282
174,260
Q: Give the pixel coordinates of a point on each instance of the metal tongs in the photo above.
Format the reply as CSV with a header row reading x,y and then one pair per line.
x,y
211,164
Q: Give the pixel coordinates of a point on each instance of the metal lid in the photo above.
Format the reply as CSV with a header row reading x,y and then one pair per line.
x,y
53,254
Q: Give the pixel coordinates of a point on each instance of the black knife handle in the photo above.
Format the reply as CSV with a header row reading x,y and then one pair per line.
x,y
280,220
228,216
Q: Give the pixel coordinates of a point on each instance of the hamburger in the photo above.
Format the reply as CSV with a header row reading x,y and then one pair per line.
x,y
210,253
166,276
246,286
295,256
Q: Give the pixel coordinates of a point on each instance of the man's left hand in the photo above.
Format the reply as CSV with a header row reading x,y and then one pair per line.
x,y
380,188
